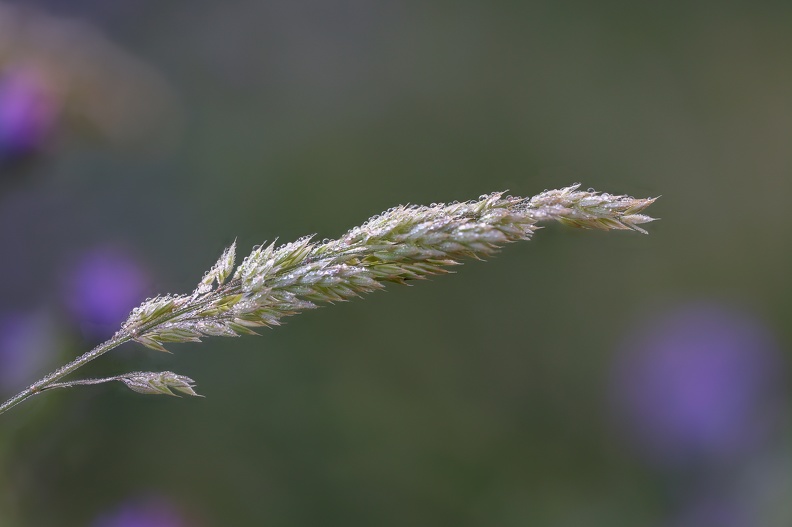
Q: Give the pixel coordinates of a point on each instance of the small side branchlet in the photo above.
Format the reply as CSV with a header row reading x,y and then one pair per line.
x,y
158,383
275,281
145,382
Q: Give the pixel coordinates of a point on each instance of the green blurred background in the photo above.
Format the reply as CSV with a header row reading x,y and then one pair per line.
x,y
485,398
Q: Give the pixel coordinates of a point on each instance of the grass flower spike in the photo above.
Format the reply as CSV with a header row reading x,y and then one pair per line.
x,y
402,244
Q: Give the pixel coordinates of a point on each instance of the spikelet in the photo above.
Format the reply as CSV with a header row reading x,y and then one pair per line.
x,y
402,244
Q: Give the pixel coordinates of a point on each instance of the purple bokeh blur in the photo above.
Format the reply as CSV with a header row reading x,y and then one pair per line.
x,y
28,113
102,288
27,341
711,511
146,512
700,385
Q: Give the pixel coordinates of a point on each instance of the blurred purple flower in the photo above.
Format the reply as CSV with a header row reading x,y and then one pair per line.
x,y
27,340
148,512
28,113
103,288
699,385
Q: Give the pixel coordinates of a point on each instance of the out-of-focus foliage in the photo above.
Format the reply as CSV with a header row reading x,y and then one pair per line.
x,y
592,379
58,73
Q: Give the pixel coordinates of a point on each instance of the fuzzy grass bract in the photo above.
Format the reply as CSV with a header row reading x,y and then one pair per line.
x,y
402,244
